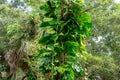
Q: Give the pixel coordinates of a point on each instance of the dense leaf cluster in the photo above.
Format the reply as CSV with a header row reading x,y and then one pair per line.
x,y
66,27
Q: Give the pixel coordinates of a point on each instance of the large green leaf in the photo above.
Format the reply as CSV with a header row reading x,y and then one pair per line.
x,y
86,17
48,23
44,39
64,24
80,73
44,24
71,44
70,75
87,25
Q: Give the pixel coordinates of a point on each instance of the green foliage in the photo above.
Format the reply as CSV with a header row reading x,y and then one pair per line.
x,y
66,28
103,66
14,29
105,33
8,16
15,33
17,28
2,1
31,75
65,25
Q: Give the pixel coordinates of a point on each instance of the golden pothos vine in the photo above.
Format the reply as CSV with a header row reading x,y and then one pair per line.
x,y
66,27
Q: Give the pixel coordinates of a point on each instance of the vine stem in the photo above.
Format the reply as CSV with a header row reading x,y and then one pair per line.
x,y
52,65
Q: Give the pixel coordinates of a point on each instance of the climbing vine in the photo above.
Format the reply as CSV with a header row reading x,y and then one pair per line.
x,y
66,25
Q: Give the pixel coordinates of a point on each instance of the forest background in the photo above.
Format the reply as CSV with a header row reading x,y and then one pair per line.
x,y
22,28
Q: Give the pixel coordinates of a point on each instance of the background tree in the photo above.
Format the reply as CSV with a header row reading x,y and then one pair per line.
x,y
17,29
105,32
102,67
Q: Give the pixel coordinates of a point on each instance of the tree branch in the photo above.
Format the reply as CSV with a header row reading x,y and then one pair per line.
x,y
89,9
